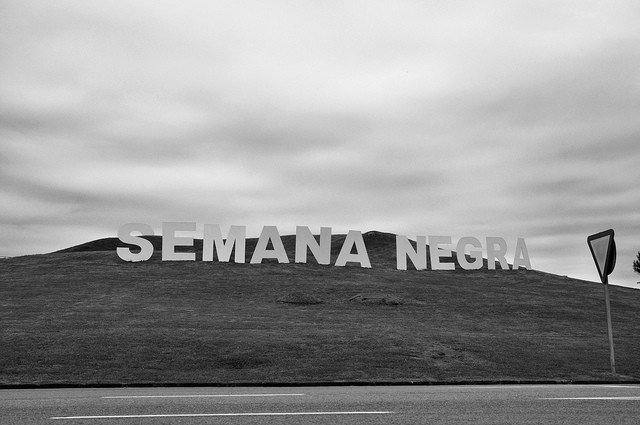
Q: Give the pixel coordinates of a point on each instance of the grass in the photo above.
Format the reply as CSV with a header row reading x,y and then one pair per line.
x,y
86,317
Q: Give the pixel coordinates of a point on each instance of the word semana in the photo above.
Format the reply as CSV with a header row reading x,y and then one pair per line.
x,y
468,249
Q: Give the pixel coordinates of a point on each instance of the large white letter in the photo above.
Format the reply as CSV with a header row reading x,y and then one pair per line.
x,y
304,240
125,236
435,252
212,234
170,241
475,254
404,249
269,233
354,237
521,257
498,253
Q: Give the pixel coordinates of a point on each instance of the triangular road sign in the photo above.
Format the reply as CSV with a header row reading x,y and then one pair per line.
x,y
603,250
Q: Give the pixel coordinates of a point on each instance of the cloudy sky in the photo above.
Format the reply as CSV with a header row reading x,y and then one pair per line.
x,y
479,118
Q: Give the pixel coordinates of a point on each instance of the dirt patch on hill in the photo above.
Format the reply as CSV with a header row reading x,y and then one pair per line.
x,y
376,299
299,298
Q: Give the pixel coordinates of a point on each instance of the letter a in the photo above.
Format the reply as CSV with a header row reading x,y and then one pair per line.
x,y
521,257
354,237
269,233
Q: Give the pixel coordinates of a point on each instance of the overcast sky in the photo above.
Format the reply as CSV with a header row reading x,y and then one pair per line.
x,y
461,118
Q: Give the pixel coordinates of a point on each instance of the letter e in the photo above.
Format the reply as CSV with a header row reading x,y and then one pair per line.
x,y
170,241
436,252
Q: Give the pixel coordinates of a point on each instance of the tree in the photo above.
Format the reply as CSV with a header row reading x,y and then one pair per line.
x,y
636,264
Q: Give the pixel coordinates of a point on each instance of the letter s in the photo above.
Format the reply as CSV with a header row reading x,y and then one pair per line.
x,y
125,236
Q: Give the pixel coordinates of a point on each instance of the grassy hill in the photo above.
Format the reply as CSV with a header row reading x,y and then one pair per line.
x,y
83,316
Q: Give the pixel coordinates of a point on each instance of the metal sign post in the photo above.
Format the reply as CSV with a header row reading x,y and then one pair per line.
x,y
603,250
612,357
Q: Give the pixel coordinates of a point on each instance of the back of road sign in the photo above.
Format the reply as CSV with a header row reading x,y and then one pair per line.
x,y
603,250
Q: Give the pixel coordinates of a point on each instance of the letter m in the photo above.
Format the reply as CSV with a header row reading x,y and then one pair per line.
x,y
213,235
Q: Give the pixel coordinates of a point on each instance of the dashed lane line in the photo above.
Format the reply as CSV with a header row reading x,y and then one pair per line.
x,y
200,396
590,398
201,415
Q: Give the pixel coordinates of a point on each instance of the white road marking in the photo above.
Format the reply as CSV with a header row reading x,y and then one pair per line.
x,y
500,386
591,398
512,386
202,395
200,415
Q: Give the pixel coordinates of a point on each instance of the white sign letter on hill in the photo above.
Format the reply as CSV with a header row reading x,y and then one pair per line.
x,y
475,254
496,250
269,233
354,237
125,236
435,252
170,241
404,249
304,240
521,257
212,234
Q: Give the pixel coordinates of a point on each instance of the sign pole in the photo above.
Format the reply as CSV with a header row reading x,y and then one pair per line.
x,y
612,358
603,250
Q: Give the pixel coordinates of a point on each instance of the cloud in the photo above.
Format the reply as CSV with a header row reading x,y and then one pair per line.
x,y
481,118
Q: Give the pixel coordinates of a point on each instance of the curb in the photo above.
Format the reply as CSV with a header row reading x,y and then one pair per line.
x,y
318,384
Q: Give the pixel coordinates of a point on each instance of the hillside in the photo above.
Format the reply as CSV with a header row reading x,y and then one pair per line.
x,y
83,316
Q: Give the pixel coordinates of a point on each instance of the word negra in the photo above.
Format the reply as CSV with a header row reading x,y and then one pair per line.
x,y
469,250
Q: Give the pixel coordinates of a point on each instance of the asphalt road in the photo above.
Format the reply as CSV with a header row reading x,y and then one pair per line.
x,y
527,404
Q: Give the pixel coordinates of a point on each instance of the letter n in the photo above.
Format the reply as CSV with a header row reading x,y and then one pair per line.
x,y
304,240
404,250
